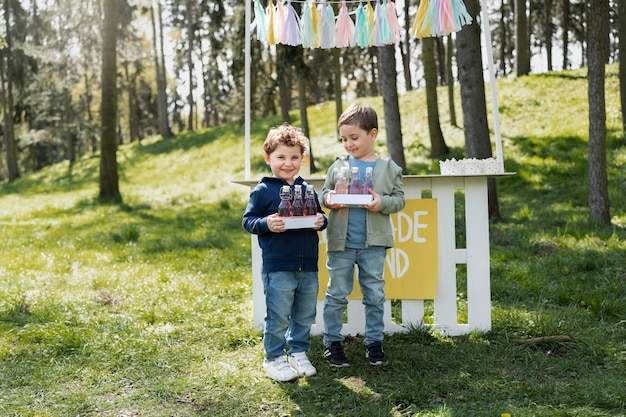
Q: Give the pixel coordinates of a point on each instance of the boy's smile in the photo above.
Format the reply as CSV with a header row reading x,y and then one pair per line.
x,y
358,142
285,162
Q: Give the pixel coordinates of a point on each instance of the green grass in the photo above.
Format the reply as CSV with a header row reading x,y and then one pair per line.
x,y
145,308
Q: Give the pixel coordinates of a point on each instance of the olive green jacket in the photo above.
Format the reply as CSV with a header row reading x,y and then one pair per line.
x,y
387,181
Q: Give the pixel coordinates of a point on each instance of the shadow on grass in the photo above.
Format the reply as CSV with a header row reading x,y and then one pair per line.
x,y
433,376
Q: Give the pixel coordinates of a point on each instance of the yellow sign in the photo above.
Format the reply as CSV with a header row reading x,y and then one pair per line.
x,y
411,265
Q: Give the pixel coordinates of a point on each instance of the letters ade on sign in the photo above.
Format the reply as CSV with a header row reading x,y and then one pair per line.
x,y
411,265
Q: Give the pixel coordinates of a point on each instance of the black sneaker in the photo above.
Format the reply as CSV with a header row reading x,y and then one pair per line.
x,y
374,352
335,356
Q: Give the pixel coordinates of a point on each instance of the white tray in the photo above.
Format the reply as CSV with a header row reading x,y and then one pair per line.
x,y
300,222
351,199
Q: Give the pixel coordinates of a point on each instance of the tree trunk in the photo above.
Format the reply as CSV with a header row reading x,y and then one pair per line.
x,y
109,186
163,97
597,16
7,100
133,110
547,16
522,48
440,60
450,80
374,89
566,22
621,27
503,36
338,97
162,115
389,87
190,44
282,75
405,48
438,147
476,127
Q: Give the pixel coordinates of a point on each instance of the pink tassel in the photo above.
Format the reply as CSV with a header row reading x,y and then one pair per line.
x,y
292,26
394,25
279,23
345,28
447,23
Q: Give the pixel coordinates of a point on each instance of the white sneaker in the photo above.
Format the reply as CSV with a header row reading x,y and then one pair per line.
x,y
301,364
279,370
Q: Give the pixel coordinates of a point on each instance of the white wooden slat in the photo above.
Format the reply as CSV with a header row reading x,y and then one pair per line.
x,y
477,238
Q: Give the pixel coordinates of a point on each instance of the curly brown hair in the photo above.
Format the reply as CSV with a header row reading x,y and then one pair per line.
x,y
284,134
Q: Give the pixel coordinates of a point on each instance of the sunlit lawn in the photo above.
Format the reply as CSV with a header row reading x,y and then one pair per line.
x,y
145,308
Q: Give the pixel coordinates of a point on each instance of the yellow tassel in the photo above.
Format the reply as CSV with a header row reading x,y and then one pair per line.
x,y
371,20
418,30
315,18
270,24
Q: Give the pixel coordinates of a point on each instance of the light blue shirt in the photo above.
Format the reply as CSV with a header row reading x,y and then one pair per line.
x,y
357,217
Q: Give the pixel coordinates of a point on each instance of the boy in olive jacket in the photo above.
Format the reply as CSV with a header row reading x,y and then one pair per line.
x,y
359,235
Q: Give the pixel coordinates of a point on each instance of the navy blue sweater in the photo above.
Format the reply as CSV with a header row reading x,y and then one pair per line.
x,y
293,250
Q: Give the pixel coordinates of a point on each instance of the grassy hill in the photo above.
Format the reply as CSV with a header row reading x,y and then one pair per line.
x,y
145,308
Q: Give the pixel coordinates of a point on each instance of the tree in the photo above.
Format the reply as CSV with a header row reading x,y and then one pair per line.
x,y
621,15
405,49
522,48
109,183
159,65
337,84
6,69
547,30
190,67
476,127
393,126
450,80
283,77
438,147
565,31
597,17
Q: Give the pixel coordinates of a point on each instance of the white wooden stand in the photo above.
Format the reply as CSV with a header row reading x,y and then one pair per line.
x,y
475,256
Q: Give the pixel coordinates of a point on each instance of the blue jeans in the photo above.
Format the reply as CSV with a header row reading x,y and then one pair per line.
x,y
371,262
290,298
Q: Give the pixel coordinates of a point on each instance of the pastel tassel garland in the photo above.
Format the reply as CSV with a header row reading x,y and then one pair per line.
x,y
345,28
420,20
431,17
327,26
394,25
382,25
310,29
378,25
260,22
271,39
447,24
461,14
279,22
362,28
371,19
292,26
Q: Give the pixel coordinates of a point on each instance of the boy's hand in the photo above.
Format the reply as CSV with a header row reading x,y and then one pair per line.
x,y
376,204
275,223
319,222
328,203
